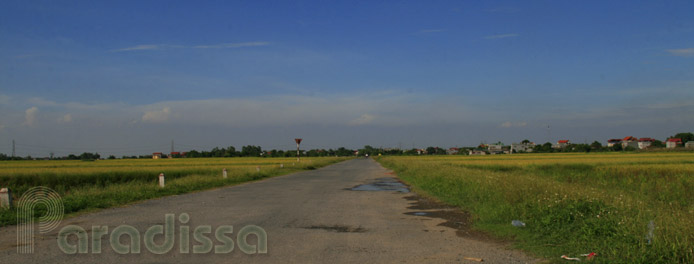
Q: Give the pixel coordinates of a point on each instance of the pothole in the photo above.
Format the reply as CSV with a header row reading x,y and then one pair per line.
x,y
383,184
339,228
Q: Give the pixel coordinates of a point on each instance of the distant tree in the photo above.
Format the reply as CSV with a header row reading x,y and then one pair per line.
x,y
193,154
617,147
111,157
685,137
343,152
595,145
251,151
658,144
525,141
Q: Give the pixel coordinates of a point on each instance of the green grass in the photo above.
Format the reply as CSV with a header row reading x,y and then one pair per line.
x,y
571,203
86,186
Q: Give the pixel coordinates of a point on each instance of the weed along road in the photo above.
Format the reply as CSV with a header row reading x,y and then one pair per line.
x,y
351,212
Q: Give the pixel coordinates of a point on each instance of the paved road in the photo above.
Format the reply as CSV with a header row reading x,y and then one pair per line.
x,y
309,217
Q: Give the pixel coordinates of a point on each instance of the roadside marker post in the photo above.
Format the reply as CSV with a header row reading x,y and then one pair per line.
x,y
257,168
224,173
161,180
5,198
298,141
281,165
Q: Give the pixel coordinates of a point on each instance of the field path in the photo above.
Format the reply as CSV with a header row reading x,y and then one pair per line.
x,y
309,217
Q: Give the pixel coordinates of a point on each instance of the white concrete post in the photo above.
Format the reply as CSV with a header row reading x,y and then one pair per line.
x,y
257,168
161,180
5,198
281,165
224,173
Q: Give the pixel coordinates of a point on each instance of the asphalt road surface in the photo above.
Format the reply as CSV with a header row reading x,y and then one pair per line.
x,y
351,212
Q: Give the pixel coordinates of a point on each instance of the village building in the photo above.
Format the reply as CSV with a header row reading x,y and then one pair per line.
x,y
522,147
156,155
452,151
614,141
673,142
630,142
644,143
562,144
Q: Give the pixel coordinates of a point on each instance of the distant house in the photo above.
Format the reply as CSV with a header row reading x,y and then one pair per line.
x,y
156,155
614,141
644,143
630,142
673,142
522,147
477,152
689,144
421,151
495,148
562,143
452,151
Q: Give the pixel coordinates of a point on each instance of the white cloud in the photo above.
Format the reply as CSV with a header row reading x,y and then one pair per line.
x,y
425,31
30,116
362,120
681,52
508,124
211,46
233,45
511,35
138,47
4,99
67,118
157,116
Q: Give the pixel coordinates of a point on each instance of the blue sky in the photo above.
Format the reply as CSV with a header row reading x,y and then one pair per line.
x,y
126,77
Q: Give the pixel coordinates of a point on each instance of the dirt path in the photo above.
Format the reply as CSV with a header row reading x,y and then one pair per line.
x,y
310,217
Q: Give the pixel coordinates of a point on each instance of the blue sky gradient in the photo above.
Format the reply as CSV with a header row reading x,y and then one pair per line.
x,y
126,77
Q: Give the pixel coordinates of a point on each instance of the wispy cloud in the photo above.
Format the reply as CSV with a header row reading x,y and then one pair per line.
x,y
157,116
362,120
427,31
138,47
211,46
505,10
233,45
511,35
682,52
509,124
30,116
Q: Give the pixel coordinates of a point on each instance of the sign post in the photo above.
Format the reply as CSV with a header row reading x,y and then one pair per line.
x,y
298,141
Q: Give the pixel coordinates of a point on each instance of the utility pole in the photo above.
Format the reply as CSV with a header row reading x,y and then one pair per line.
x,y
13,148
298,141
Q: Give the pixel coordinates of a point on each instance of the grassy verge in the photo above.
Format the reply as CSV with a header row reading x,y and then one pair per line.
x,y
571,203
116,183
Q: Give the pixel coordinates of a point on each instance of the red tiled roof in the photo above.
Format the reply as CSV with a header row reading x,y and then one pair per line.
x,y
156,153
674,140
563,141
629,138
646,139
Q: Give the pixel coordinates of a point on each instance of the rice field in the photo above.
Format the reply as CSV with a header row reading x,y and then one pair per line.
x,y
89,185
571,203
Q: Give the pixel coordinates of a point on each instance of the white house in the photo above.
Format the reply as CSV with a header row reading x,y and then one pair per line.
x,y
522,147
645,142
673,142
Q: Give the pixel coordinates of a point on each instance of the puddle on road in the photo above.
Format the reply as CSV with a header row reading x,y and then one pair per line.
x,y
338,228
383,184
417,213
